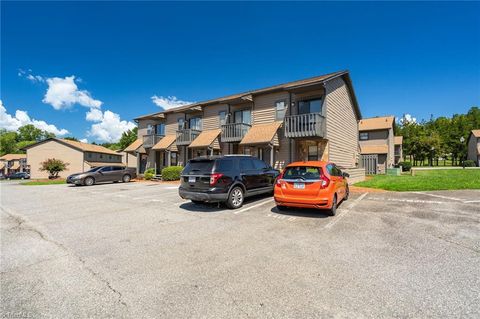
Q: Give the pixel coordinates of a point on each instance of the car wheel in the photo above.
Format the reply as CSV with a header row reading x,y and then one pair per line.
x,y
198,202
333,210
235,198
89,181
126,178
347,193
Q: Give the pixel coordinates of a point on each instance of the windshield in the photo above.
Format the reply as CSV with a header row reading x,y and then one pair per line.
x,y
302,172
199,167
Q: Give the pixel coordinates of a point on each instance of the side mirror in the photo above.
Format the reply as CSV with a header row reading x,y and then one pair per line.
x,y
100,172
345,175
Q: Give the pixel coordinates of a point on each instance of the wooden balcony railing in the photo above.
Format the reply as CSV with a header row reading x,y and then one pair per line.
x,y
305,125
234,132
185,137
151,139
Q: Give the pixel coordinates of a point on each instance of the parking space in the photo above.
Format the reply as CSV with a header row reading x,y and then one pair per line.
x,y
139,250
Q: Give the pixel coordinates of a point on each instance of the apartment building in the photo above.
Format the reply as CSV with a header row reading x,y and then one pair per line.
x,y
473,144
379,147
310,119
80,156
13,163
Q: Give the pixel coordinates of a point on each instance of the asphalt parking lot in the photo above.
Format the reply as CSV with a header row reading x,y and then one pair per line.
x,y
137,250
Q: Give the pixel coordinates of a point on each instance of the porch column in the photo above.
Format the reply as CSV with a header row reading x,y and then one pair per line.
x,y
272,149
169,158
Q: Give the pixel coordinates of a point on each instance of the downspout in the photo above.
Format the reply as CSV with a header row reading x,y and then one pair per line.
x,y
227,121
290,157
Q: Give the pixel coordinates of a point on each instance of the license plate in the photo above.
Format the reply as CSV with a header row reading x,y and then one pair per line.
x,y
192,179
299,185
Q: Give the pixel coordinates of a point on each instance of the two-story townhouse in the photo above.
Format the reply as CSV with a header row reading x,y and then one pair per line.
x,y
80,156
473,144
377,140
310,119
13,163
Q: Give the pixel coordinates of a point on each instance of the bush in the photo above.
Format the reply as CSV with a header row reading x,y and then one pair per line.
x,y
171,173
469,163
53,166
406,166
149,174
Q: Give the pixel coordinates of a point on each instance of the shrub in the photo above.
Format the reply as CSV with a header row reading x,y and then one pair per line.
x,y
53,166
149,174
171,173
469,163
406,166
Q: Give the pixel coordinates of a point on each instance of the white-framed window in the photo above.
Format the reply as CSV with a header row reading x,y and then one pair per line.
x,y
222,117
280,109
195,123
150,129
181,124
363,136
160,129
243,116
310,106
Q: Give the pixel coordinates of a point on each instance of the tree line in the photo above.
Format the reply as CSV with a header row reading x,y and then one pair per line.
x,y
442,138
14,141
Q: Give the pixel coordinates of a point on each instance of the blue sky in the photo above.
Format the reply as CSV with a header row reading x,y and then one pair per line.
x,y
417,58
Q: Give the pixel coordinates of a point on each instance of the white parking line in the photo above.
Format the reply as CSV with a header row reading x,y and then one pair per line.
x,y
414,201
337,218
472,201
439,196
253,206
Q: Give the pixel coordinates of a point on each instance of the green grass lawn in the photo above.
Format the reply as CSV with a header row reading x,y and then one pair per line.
x,y
44,182
426,180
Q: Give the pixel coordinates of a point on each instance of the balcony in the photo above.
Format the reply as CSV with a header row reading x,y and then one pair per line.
x,y
305,125
185,137
234,132
151,139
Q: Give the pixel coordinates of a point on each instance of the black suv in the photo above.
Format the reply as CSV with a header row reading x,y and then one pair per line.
x,y
227,179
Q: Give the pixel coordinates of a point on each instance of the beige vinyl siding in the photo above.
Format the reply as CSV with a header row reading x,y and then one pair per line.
x,y
171,125
342,129
211,119
264,107
142,126
54,149
99,157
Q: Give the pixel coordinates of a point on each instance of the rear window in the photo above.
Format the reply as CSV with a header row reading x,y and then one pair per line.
x,y
198,167
302,172
224,165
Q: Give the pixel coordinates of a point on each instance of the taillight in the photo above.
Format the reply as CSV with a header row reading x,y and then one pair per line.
x,y
325,181
279,178
214,178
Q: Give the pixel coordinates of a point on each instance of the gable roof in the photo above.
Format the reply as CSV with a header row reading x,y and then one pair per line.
x,y
376,123
205,139
398,140
83,147
261,134
165,143
279,87
11,157
134,146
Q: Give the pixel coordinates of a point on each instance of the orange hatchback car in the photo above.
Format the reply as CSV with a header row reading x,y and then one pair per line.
x,y
313,184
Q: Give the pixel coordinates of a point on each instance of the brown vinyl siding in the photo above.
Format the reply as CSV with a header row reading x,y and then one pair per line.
x,y
342,129
171,125
142,126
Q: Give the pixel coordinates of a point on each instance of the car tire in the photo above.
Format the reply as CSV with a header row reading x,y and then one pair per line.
x,y
347,193
235,198
333,210
197,202
126,178
88,181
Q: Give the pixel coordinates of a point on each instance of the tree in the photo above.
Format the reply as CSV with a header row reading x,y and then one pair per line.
x,y
128,137
71,138
53,167
8,142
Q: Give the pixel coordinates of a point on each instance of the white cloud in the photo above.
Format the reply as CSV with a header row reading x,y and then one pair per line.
x,y
408,118
63,93
168,102
109,127
83,140
21,118
28,75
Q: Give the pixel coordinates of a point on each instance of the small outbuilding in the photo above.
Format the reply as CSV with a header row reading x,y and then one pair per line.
x,y
473,144
80,156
